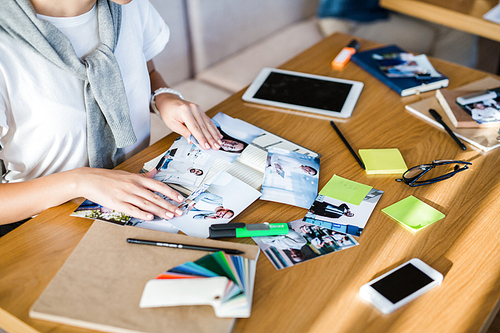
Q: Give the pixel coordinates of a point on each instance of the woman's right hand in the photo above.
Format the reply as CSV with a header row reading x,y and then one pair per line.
x,y
187,118
129,193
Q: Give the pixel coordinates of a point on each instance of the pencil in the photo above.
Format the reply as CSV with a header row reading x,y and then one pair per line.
x,y
183,246
348,145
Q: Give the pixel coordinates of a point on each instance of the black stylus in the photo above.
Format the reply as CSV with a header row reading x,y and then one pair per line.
x,y
450,132
348,145
183,246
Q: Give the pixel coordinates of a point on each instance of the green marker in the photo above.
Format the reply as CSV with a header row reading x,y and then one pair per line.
x,y
239,230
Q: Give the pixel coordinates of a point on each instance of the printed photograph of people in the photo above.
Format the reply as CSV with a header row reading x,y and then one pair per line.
x,y
303,242
224,198
91,210
405,65
341,216
156,223
290,178
237,135
183,164
487,111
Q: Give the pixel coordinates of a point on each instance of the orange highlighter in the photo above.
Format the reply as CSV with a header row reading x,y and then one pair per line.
x,y
343,57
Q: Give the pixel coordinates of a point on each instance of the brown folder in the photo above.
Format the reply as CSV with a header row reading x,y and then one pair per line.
x,y
483,138
459,117
100,285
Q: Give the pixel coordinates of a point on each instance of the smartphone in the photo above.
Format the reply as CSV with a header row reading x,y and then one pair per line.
x,y
400,285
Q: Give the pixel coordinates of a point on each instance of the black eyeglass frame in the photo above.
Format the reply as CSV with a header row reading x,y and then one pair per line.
x,y
414,181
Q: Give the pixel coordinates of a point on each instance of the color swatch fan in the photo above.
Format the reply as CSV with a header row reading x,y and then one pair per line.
x,y
223,281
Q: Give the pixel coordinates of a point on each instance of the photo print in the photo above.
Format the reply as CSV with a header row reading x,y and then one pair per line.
x,y
485,111
303,242
402,64
237,135
220,202
290,178
183,164
342,216
91,210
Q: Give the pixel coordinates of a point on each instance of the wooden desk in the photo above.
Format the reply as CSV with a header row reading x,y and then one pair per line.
x,y
321,295
464,15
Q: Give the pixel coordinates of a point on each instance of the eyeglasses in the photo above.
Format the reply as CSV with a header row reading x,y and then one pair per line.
x,y
411,176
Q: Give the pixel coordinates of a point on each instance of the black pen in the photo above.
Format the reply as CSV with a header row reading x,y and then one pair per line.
x,y
183,246
450,132
348,145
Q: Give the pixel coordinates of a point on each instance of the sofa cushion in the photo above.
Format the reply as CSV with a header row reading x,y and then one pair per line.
x,y
205,95
219,28
174,62
236,72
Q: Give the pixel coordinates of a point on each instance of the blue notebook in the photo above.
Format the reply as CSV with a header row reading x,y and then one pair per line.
x,y
403,86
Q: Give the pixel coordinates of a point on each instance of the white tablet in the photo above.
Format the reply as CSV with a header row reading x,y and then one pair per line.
x,y
304,92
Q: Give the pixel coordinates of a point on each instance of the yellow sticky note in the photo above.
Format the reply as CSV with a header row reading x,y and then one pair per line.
x,y
413,213
345,190
383,161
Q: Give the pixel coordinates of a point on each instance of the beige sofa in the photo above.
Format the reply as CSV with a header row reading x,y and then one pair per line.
x,y
217,47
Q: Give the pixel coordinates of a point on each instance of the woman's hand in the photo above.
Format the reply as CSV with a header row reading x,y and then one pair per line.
x,y
129,193
187,118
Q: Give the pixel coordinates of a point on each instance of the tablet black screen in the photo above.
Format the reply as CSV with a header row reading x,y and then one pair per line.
x,y
304,91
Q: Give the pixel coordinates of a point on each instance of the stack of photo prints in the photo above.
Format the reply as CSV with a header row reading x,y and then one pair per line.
x,y
253,163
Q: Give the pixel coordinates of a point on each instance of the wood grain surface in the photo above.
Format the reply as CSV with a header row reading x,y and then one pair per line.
x,y
321,295
463,15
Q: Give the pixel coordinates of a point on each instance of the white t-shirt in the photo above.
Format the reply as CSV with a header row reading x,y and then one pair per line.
x,y
42,112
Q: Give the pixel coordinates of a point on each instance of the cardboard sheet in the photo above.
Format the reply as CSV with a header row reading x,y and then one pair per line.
x,y
100,285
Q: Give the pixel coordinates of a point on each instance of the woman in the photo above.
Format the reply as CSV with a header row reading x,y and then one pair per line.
x,y
76,78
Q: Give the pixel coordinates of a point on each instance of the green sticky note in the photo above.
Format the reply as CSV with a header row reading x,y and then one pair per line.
x,y
345,190
413,213
383,161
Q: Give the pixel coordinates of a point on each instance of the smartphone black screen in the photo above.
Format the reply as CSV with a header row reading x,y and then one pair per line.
x,y
402,283
304,91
